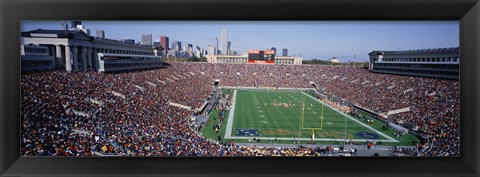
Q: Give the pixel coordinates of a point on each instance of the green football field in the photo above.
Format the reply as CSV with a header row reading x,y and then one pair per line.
x,y
266,115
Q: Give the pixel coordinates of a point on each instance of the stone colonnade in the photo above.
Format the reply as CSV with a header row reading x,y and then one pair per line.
x,y
88,56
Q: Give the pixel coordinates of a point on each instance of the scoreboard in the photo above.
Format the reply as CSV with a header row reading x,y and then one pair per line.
x,y
261,56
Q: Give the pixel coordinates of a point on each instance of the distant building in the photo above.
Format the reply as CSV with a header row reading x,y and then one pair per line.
x,y
146,39
176,46
173,53
437,63
64,26
243,59
224,39
229,45
334,60
100,33
190,50
77,26
74,23
156,44
164,42
285,52
210,50
215,46
198,52
275,50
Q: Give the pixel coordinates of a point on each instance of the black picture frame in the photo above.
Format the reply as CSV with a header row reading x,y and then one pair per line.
x,y
12,12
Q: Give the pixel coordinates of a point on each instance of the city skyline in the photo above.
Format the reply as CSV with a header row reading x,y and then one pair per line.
x,y
314,40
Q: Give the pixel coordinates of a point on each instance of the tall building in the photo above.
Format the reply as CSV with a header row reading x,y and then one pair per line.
x,y
176,46
224,39
210,50
64,26
229,45
190,50
198,52
285,52
164,41
275,50
215,47
146,39
74,23
77,26
100,33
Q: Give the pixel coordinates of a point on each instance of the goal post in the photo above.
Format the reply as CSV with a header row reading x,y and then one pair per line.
x,y
303,117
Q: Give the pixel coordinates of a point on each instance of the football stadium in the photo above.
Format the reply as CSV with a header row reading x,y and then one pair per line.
x,y
102,97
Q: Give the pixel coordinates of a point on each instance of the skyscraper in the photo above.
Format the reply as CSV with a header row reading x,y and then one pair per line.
x,y
285,52
215,47
165,42
211,50
229,45
176,46
74,23
198,52
190,50
64,25
224,39
275,50
77,26
146,39
100,33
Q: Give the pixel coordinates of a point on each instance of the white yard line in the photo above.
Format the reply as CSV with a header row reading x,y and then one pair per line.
x,y
355,120
228,130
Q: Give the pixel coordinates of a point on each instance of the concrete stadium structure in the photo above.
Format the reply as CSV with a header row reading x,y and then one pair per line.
x,y
73,50
436,63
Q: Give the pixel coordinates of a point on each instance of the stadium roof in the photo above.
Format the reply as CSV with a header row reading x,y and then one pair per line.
x,y
71,34
418,51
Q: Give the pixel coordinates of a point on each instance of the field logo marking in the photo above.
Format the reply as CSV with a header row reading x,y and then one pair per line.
x,y
246,132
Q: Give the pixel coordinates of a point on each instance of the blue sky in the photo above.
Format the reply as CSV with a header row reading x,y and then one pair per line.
x,y
312,39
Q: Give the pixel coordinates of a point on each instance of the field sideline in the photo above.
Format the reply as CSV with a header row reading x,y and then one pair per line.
x,y
280,114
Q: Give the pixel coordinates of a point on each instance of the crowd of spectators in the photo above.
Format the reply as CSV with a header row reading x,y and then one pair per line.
x,y
128,113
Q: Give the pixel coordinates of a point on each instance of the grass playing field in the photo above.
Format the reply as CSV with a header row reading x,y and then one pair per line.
x,y
266,115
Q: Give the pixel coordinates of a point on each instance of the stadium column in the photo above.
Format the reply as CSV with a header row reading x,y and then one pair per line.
x,y
89,58
58,55
83,56
75,58
95,58
68,59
